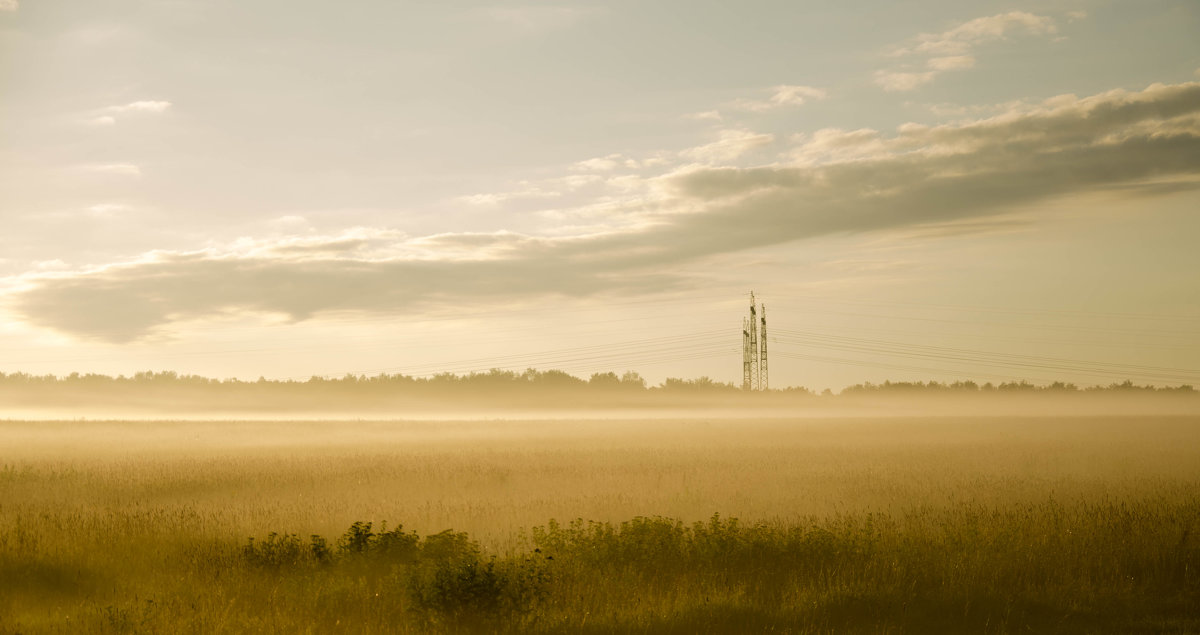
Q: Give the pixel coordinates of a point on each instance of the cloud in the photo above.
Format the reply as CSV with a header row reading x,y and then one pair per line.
x,y
142,106
127,302
924,180
960,39
708,115
600,164
830,145
730,145
9,5
781,96
491,199
784,95
109,115
936,174
950,50
50,265
108,209
524,190
898,81
553,188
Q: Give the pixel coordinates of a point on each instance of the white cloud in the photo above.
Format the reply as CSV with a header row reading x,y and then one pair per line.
x,y
962,38
50,265
143,106
893,81
708,115
730,145
108,116
599,164
526,191
108,209
121,169
626,183
832,145
9,5
487,199
551,188
290,222
784,95
950,50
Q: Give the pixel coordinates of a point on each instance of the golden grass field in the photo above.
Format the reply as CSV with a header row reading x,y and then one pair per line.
x,y
872,525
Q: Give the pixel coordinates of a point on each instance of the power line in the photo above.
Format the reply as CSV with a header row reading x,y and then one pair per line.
x,y
907,368
984,358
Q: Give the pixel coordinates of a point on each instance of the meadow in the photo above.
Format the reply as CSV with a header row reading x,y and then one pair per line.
x,y
846,524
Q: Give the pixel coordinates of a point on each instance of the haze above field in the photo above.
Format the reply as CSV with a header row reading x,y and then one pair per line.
x,y
941,190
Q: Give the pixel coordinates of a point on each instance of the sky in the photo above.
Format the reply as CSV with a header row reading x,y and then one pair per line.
x,y
924,190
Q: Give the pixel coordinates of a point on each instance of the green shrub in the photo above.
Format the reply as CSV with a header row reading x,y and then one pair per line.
x,y
357,539
276,551
320,549
394,544
467,591
397,545
448,547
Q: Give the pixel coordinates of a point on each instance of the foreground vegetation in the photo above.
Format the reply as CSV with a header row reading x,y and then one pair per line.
x,y
966,525
1044,567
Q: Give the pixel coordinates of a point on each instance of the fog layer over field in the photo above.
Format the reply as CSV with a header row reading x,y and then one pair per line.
x,y
549,394
234,479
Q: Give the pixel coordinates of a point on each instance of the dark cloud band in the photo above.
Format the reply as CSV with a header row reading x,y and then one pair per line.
x,y
1138,143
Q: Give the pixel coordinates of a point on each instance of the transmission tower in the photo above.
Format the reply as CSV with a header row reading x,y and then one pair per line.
x,y
754,349
762,352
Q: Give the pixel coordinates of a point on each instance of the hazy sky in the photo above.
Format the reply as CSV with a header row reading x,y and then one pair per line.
x,y
917,190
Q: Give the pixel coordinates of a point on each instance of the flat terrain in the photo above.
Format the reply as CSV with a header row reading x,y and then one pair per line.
x,y
952,524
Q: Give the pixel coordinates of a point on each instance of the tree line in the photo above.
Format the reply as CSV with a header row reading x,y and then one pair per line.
x,y
508,382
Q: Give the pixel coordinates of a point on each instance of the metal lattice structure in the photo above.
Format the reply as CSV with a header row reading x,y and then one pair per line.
x,y
754,348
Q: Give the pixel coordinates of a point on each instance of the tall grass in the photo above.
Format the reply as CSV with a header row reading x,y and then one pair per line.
x,y
958,525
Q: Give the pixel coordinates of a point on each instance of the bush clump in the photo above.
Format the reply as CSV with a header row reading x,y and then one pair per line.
x,y
359,539
444,576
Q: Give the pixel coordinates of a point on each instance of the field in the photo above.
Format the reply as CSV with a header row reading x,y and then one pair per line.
x,y
957,524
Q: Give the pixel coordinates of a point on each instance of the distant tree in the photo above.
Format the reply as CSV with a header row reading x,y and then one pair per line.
x,y
632,380
604,381
701,384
